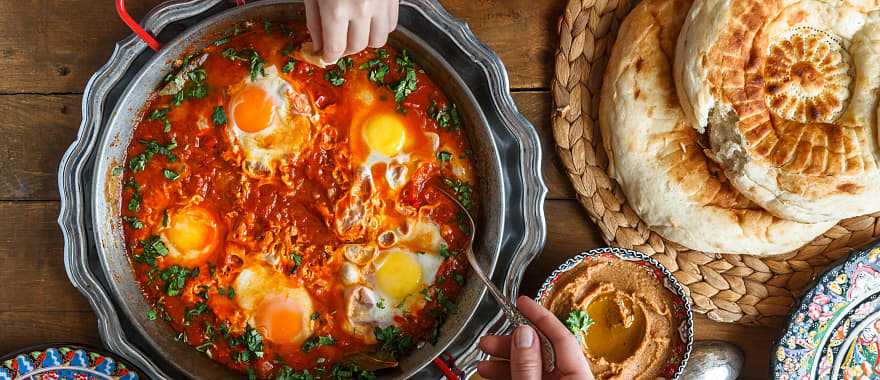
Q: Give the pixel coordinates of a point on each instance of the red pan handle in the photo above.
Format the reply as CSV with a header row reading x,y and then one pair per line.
x,y
135,27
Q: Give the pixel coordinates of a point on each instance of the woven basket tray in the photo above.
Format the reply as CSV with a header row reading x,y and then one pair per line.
x,y
728,288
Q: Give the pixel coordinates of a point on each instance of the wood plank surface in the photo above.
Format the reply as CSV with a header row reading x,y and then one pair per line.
x,y
50,48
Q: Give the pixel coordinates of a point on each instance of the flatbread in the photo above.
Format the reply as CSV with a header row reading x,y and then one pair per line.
x,y
656,156
787,93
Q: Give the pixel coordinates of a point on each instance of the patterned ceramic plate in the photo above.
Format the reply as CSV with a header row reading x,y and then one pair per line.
x,y
67,362
835,332
683,310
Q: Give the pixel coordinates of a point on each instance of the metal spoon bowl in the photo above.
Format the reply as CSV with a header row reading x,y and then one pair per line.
x,y
548,354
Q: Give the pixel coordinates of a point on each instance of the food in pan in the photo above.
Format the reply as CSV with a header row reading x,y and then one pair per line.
x,y
786,92
286,219
656,155
626,321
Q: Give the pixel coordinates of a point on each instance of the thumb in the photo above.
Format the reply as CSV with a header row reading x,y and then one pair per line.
x,y
525,354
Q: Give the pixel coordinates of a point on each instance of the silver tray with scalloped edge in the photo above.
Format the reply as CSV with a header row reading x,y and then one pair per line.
x,y
511,189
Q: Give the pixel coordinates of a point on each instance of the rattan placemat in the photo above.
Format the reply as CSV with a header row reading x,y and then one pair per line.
x,y
728,288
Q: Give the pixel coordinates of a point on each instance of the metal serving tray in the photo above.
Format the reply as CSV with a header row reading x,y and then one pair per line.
x,y
86,215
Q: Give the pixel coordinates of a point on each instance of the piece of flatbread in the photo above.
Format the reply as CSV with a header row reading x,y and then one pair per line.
x,y
307,53
787,93
656,157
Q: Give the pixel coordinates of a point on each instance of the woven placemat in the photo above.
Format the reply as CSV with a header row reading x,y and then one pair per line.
x,y
727,288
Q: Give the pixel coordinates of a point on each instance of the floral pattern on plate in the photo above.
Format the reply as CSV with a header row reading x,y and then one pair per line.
x,y
683,311
64,362
830,334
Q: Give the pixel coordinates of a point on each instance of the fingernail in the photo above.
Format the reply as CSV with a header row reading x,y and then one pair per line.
x,y
523,337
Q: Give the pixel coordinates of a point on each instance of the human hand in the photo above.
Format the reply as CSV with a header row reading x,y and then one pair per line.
x,y
343,27
522,351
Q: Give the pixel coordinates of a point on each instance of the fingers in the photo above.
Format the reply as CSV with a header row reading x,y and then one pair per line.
x,y
358,35
379,30
394,8
525,354
497,346
494,369
569,356
334,32
313,21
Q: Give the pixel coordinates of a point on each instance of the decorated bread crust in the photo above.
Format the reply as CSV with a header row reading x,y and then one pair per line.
x,y
786,92
656,154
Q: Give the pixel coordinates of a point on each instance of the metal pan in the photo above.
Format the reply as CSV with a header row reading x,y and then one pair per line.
x,y
510,190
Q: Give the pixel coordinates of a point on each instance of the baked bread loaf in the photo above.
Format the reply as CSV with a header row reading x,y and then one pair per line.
x,y
656,156
786,92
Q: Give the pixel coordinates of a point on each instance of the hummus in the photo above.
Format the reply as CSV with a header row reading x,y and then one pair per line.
x,y
632,329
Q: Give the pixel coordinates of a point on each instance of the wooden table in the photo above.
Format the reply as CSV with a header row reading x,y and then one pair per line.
x,y
48,50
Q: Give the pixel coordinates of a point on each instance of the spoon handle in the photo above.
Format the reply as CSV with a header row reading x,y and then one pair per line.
x,y
548,354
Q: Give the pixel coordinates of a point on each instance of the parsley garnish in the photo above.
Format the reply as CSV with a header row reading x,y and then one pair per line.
x,y
134,204
151,314
462,190
337,77
251,341
219,116
351,371
165,218
446,117
315,316
317,341
175,278
444,156
199,309
404,86
578,322
133,222
153,248
445,252
139,162
287,373
170,175
162,114
256,63
297,262
378,70
288,67
393,341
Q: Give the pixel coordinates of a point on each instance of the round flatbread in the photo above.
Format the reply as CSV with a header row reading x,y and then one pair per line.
x,y
656,154
787,93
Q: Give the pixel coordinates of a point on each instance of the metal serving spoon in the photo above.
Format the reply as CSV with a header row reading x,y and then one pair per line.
x,y
548,354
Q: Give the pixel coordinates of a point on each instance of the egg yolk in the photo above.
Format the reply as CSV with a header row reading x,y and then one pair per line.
x,y
281,319
252,109
399,275
385,134
191,230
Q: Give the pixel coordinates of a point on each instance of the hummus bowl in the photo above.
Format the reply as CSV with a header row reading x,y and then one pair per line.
x,y
632,318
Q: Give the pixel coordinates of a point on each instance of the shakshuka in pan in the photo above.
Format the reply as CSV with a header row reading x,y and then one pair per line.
x,y
285,218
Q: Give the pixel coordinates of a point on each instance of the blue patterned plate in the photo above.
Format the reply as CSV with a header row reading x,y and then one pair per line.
x,y
65,361
683,311
835,332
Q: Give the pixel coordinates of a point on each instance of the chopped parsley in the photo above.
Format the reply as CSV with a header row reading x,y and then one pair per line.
x,y
251,343
134,204
315,316
407,83
197,89
204,347
317,341
175,278
287,373
381,303
337,77
445,252
199,309
139,162
133,222
462,191
219,116
153,248
446,117
297,262
117,171
161,114
288,67
351,371
459,278
578,322
228,292
221,41
165,219
170,175
444,156
151,314
266,26
377,68
257,66
393,341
